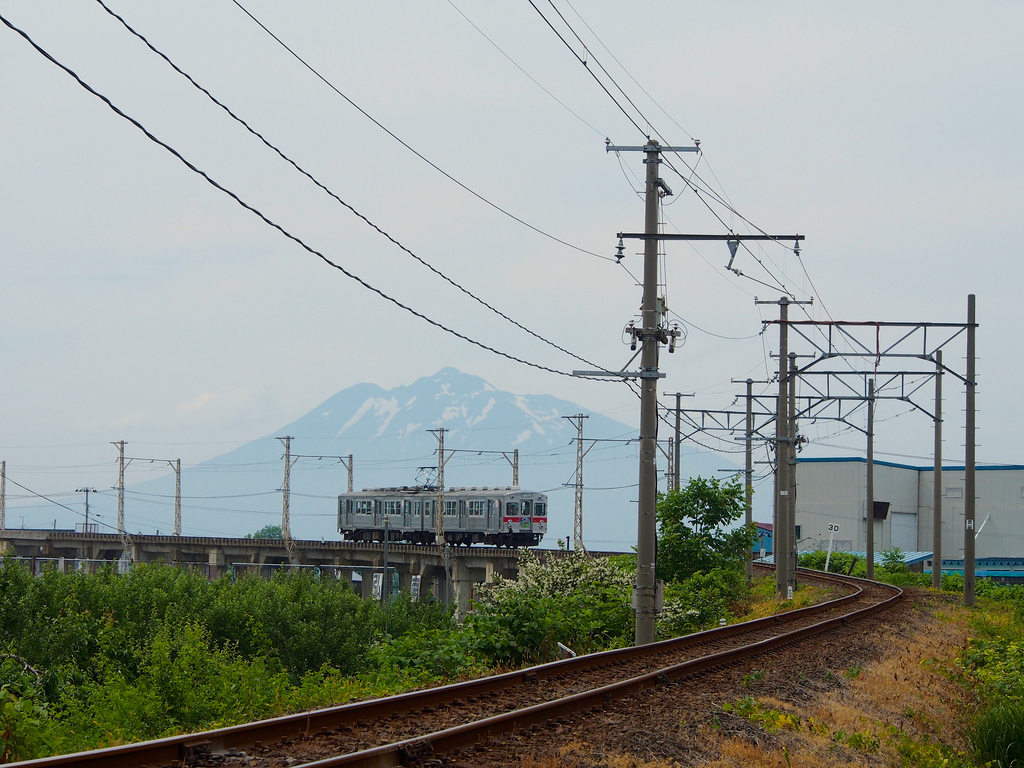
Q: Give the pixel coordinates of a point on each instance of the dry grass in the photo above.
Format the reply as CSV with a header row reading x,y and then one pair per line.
x,y
902,691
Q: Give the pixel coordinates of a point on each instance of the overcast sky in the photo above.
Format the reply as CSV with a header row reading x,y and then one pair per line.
x,y
140,303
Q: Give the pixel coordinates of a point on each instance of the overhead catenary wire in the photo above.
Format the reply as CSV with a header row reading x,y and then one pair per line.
x,y
269,222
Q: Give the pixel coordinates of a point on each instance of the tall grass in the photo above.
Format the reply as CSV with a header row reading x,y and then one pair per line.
x,y
997,734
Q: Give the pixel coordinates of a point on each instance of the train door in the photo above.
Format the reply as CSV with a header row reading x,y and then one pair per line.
x,y
378,519
493,507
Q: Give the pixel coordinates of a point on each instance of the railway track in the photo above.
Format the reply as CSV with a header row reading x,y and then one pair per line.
x,y
422,726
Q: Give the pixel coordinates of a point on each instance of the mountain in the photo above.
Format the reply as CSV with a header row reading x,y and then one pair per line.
x,y
386,433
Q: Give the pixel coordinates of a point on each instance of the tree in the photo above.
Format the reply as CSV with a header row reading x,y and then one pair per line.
x,y
695,528
267,532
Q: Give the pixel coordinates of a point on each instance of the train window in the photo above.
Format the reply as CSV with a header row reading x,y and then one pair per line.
x,y
512,508
392,507
364,506
526,508
477,508
451,508
540,509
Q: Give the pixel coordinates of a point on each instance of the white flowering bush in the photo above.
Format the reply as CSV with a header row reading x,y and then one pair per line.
x,y
558,576
576,600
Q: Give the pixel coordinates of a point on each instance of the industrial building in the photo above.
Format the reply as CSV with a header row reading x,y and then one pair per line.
x,y
833,492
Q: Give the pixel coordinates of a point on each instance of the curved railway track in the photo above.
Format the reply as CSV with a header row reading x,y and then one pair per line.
x,y
420,726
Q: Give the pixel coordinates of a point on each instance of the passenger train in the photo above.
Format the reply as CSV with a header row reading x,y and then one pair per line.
x,y
505,516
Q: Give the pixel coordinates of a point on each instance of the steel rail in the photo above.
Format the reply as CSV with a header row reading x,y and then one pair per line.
x,y
185,748
470,734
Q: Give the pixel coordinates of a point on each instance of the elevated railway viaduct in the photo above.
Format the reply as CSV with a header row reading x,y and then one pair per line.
x,y
354,561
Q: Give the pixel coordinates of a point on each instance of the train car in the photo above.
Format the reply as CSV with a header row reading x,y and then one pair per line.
x,y
504,516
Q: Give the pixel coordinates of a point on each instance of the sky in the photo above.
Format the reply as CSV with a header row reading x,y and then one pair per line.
x,y
141,303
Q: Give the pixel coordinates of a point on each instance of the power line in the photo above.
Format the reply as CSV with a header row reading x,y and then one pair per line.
x,y
331,193
294,238
517,66
583,61
418,154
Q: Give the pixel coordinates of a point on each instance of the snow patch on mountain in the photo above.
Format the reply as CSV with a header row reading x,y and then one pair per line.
x,y
482,415
387,408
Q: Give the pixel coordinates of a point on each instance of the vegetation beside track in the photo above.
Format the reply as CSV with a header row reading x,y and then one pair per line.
x,y
96,660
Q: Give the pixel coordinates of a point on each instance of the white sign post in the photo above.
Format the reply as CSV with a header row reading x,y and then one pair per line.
x,y
833,529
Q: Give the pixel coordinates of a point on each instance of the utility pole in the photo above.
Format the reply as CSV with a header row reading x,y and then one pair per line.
x,y
748,476
3,495
514,463
791,443
870,540
577,519
784,536
86,491
348,466
176,466
286,528
439,515
676,444
937,479
651,335
647,536
969,485
120,485
125,540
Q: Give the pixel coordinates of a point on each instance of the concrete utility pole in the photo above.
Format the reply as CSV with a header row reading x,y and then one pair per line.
x,y
577,519
651,335
676,443
439,515
120,485
969,485
286,523
870,493
791,443
348,466
937,479
86,491
647,541
748,475
126,548
514,463
784,533
176,466
3,495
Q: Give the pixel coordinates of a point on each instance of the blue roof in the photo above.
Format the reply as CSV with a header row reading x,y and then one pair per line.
x,y
862,460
